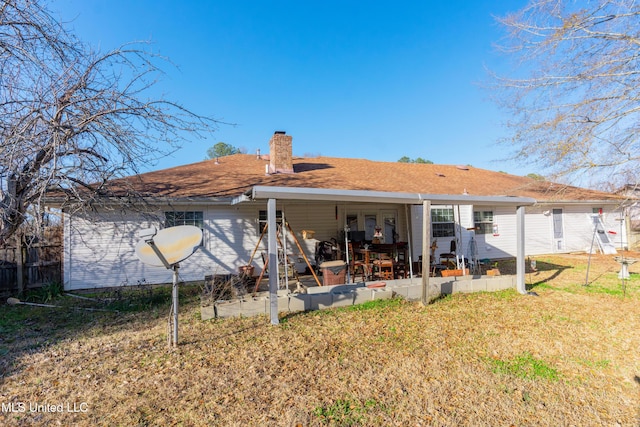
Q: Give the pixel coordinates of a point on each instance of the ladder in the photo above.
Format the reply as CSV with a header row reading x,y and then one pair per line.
x,y
604,243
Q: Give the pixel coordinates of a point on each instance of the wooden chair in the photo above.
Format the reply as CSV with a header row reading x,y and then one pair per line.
x,y
383,269
357,266
401,267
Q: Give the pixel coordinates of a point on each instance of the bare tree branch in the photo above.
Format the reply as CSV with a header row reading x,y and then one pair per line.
x,y
574,94
72,119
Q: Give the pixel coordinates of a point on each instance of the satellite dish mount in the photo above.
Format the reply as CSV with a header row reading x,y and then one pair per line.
x,y
167,248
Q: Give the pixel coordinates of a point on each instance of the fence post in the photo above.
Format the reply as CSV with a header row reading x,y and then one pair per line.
x,y
20,263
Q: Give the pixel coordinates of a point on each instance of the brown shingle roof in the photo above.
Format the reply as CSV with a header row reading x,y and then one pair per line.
x,y
233,175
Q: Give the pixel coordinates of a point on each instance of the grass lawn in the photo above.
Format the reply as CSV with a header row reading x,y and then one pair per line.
x,y
568,356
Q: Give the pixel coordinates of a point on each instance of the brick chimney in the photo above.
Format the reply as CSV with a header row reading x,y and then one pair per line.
x,y
280,153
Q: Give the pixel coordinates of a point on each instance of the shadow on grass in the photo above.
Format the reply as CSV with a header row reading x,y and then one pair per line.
x,y
543,266
27,329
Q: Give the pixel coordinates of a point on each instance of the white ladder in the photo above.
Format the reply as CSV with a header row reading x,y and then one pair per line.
x,y
604,243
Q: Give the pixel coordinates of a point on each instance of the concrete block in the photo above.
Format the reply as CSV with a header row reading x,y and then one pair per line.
x,y
381,293
320,301
414,292
498,283
465,286
362,295
255,306
447,288
207,312
345,288
228,309
402,291
479,285
343,299
320,289
299,302
283,303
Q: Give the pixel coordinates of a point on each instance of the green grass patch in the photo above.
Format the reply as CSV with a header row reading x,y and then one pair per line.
x,y
524,366
345,412
46,293
506,294
596,364
377,304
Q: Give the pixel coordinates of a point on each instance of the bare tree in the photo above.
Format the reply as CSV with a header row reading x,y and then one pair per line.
x,y
71,119
574,93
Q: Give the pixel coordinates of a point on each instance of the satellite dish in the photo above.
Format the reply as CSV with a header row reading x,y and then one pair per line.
x,y
167,248
175,244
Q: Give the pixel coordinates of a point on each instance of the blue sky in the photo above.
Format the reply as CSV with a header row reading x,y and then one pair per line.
x,y
368,79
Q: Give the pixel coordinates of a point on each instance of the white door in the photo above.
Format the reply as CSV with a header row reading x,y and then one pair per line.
x,y
558,231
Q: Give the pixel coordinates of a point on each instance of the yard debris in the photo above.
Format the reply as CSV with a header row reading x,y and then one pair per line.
x,y
16,301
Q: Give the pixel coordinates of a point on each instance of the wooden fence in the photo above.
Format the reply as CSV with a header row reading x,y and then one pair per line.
x,y
29,267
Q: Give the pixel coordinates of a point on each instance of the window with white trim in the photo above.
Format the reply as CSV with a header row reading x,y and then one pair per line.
x,y
195,218
173,218
483,221
262,219
442,222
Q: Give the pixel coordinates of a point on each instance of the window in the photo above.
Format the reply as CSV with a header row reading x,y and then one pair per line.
x,y
352,222
262,219
195,218
389,230
442,222
483,222
370,222
171,219
362,225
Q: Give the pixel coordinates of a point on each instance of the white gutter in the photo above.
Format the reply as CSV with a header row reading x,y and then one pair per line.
x,y
578,202
321,194
240,199
178,201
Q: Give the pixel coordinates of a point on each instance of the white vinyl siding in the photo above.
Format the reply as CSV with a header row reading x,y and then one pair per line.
x,y
100,252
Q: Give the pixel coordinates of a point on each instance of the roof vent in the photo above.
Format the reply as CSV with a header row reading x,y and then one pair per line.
x,y
440,174
463,168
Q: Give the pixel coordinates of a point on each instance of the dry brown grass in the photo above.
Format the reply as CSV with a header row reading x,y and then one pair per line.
x,y
567,357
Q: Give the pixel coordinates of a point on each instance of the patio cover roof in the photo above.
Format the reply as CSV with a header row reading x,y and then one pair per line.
x,y
326,194
272,194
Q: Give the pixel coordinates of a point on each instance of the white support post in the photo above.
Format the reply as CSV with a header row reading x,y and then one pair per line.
x,y
273,260
426,254
174,295
520,264
409,242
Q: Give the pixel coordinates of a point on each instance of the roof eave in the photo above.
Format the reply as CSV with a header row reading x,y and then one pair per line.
x,y
579,202
319,194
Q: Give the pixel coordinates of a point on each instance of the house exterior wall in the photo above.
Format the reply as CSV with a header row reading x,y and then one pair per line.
x,y
99,251
539,236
